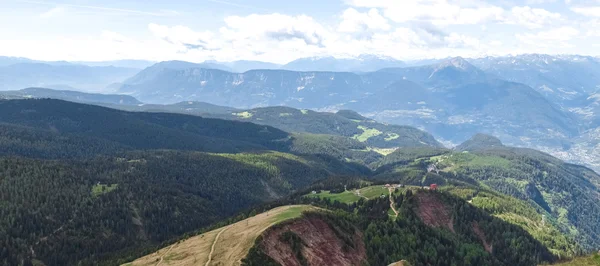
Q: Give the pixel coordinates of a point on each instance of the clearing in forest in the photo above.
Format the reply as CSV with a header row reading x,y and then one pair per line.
x,y
366,134
231,245
593,260
353,195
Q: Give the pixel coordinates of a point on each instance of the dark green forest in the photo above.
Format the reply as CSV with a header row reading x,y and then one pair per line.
x,y
344,123
99,210
566,194
88,185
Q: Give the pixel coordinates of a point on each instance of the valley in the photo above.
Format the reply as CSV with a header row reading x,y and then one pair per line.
x,y
283,171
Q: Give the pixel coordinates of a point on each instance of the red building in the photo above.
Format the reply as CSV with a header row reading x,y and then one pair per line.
x,y
433,187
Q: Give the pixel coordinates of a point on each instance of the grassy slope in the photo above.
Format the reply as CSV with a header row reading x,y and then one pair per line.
x,y
350,196
233,244
367,131
500,171
520,213
583,261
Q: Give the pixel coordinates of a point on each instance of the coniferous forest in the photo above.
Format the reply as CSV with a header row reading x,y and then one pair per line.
x,y
88,185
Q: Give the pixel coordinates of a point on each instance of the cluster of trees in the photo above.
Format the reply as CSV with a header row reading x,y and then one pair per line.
x,y
342,148
343,123
408,238
61,125
112,209
567,194
108,195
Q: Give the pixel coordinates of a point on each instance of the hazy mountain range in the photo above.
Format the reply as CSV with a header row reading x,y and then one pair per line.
x,y
540,101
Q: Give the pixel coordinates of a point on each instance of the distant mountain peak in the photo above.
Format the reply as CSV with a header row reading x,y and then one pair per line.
x,y
364,57
457,62
479,142
351,115
360,63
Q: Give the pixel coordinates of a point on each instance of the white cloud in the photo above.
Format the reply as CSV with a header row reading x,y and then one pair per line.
x,y
406,29
439,12
354,21
54,12
539,2
590,11
275,27
161,13
558,37
532,17
184,37
496,43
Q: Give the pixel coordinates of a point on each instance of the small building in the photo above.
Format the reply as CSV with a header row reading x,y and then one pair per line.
x,y
388,185
433,187
314,192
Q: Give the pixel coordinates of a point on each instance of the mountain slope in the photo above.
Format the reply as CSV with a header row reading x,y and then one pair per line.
x,y
250,89
343,123
100,210
111,189
140,130
128,63
24,75
73,96
189,107
233,242
515,113
451,99
450,72
242,66
363,231
479,142
363,63
566,194
431,229
561,78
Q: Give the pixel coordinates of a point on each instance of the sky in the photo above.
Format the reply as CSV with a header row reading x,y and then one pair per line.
x,y
280,31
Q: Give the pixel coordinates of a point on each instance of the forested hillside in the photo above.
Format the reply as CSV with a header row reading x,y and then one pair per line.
x,y
100,210
111,185
138,130
74,96
106,184
431,228
343,123
567,195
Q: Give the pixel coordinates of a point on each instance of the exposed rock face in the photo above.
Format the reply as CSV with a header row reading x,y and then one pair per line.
x,y
321,245
433,212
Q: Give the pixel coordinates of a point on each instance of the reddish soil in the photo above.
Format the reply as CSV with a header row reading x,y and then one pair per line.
x,y
433,212
481,236
322,246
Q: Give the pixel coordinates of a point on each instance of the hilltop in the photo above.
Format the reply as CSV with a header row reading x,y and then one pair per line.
x,y
343,123
357,232
227,245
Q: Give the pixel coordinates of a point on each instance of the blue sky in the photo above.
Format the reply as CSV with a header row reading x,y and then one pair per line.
x,y
283,30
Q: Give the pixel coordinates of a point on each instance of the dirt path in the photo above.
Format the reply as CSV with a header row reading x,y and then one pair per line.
x,y
392,201
163,255
228,249
358,194
212,249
